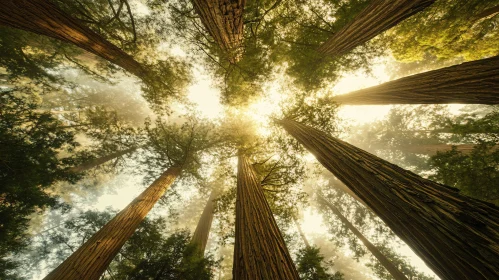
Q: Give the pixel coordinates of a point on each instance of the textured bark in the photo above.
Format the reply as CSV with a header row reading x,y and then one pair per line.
x,y
379,16
387,264
259,251
300,231
202,232
98,161
45,18
224,21
455,235
93,257
475,82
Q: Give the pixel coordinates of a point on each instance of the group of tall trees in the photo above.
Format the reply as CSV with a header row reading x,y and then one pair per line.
x,y
56,129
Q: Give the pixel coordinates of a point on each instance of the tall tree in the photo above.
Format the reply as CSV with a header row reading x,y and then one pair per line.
x,y
47,19
431,218
389,266
93,257
377,17
202,232
223,19
259,250
468,83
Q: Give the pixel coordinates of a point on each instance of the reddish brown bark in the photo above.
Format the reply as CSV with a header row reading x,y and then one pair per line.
x,y
202,232
259,252
98,161
383,260
455,235
379,16
475,82
93,257
223,19
45,18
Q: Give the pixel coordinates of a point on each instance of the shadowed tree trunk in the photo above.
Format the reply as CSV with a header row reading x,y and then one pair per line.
x,y
488,12
202,232
98,161
224,21
259,251
455,235
475,82
385,262
379,16
93,257
43,17
300,231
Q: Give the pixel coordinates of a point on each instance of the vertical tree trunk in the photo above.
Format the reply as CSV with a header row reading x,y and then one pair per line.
x,y
224,21
300,231
93,257
202,232
455,235
259,252
98,161
387,264
379,16
474,82
45,18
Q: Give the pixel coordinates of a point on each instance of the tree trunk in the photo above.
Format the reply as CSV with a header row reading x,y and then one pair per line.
x,y
202,232
300,231
223,19
387,264
45,18
455,235
98,161
487,13
379,16
474,82
259,252
93,257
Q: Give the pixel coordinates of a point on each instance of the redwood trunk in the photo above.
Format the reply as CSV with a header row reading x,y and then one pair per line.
x,y
45,18
98,161
475,82
379,16
224,21
259,252
455,235
387,264
93,257
202,232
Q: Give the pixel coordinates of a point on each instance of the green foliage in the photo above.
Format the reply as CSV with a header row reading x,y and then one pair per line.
x,y
313,22
30,144
447,30
475,174
180,143
311,265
